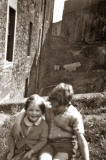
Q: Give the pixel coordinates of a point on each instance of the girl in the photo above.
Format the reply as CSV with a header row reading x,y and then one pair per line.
x,y
35,131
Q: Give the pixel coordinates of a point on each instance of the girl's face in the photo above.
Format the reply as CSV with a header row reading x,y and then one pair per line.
x,y
33,112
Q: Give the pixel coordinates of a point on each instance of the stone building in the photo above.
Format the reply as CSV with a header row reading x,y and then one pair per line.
x,y
84,23
84,20
24,29
78,55
56,29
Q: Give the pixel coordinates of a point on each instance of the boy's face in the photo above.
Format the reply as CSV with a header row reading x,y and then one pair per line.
x,y
33,112
57,108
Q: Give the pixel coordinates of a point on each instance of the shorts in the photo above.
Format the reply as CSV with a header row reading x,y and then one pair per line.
x,y
61,146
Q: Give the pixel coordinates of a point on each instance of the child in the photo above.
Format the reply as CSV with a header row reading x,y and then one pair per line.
x,y
65,127
35,131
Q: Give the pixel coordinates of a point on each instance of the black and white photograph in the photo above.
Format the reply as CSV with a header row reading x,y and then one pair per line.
x,y
52,80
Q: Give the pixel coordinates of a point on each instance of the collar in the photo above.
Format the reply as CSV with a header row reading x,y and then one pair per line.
x,y
30,124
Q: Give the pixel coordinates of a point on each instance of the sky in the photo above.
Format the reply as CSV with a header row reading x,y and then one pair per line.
x,y
58,10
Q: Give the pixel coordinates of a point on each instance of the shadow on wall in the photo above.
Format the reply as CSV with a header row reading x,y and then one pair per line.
x,y
38,66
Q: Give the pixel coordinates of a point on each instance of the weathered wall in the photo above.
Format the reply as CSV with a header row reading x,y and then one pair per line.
x,y
5,71
22,62
3,17
56,29
46,38
14,74
84,24
84,20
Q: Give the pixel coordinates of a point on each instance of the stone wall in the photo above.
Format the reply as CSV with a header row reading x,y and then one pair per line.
x,y
84,25
84,20
46,38
3,17
56,29
13,74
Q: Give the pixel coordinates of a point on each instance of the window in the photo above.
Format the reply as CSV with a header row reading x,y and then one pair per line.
x,y
26,87
11,27
29,39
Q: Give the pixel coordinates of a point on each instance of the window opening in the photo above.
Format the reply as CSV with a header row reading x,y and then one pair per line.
x,y
11,27
29,39
26,87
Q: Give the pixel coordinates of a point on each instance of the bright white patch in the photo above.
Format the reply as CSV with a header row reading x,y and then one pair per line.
x,y
58,10
3,118
72,66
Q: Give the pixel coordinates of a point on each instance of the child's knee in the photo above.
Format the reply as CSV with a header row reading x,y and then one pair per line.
x,y
61,156
45,156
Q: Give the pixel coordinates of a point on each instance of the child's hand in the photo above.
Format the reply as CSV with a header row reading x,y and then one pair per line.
x,y
28,154
17,126
10,155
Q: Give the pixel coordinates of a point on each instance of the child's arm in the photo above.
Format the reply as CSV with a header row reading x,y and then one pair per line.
x,y
40,144
11,144
78,128
83,146
18,130
43,139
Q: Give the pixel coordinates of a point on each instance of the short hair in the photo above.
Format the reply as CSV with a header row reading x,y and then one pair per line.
x,y
40,101
62,93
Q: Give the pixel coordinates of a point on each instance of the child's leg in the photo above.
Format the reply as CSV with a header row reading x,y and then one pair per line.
x,y
21,157
65,150
46,153
45,156
61,156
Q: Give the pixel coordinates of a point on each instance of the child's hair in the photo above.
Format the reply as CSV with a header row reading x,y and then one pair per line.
x,y
40,101
62,93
